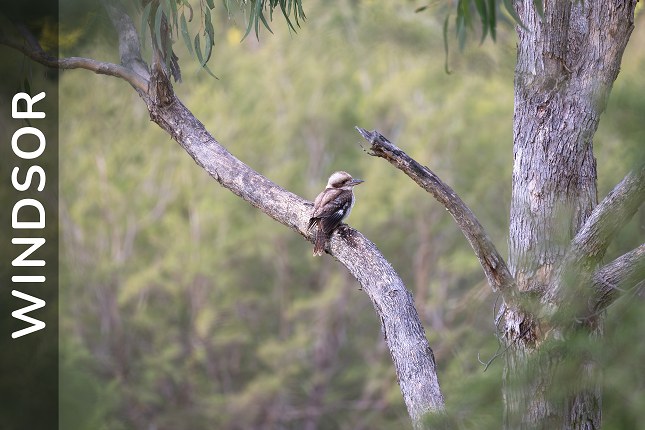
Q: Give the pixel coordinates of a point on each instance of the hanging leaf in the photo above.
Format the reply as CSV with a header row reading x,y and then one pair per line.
x,y
207,52
175,20
511,10
483,14
461,31
186,35
158,25
251,18
209,71
539,5
265,22
492,19
144,24
198,50
445,40
256,12
464,12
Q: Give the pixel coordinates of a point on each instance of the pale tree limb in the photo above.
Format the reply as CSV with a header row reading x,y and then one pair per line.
x,y
494,266
132,69
590,244
612,280
129,49
412,356
37,54
610,216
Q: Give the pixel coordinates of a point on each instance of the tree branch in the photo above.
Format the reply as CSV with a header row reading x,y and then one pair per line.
x,y
413,359
590,244
493,264
37,54
610,216
611,280
129,49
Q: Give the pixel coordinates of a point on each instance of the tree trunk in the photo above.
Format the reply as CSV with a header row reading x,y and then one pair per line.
x,y
566,66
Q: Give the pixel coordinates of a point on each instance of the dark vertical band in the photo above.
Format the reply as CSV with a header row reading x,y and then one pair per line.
x,y
29,351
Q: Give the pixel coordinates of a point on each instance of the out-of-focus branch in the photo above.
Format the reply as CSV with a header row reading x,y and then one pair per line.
x,y
590,244
129,49
36,53
611,280
494,266
611,215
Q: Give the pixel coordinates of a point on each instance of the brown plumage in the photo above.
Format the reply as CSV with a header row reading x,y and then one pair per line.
x,y
332,207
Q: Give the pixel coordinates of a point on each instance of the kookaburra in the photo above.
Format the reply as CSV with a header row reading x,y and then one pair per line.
x,y
332,207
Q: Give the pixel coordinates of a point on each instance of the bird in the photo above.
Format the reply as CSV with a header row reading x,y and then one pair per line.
x,y
332,206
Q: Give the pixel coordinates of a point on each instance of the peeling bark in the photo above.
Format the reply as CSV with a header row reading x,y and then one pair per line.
x,y
565,69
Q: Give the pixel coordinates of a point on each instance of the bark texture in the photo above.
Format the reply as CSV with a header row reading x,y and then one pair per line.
x,y
566,66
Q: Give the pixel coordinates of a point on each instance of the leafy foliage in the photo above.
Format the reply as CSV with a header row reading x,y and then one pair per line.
x,y
174,11
487,11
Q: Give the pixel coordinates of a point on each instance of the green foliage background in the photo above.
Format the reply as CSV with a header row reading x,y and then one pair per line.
x,y
184,307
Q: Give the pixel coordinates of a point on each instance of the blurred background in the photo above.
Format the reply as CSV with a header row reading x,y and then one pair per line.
x,y
183,307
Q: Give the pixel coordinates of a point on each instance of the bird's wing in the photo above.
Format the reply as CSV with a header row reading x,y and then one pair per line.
x,y
335,209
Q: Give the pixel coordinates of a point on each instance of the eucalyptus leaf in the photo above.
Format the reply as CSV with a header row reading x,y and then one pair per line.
x,y
483,14
144,24
158,25
511,10
492,19
186,35
539,5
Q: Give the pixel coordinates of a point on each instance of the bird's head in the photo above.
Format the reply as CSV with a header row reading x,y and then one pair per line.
x,y
342,180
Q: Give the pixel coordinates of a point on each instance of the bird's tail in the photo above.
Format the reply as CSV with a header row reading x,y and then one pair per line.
x,y
321,238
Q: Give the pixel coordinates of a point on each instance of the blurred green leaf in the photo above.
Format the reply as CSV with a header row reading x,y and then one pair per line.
x,y
539,5
144,24
158,16
186,35
508,4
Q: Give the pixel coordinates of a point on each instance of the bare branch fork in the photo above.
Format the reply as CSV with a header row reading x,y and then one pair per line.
x,y
412,356
586,250
494,266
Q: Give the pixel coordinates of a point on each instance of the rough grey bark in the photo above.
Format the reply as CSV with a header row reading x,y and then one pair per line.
x,y
566,66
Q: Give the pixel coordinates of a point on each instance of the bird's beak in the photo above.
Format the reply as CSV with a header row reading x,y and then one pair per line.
x,y
355,182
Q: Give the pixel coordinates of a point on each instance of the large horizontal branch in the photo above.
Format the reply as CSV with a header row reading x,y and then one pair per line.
x,y
494,266
404,334
611,280
37,54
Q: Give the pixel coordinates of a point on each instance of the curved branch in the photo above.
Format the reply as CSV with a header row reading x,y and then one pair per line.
x,y
494,266
611,280
97,67
413,359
